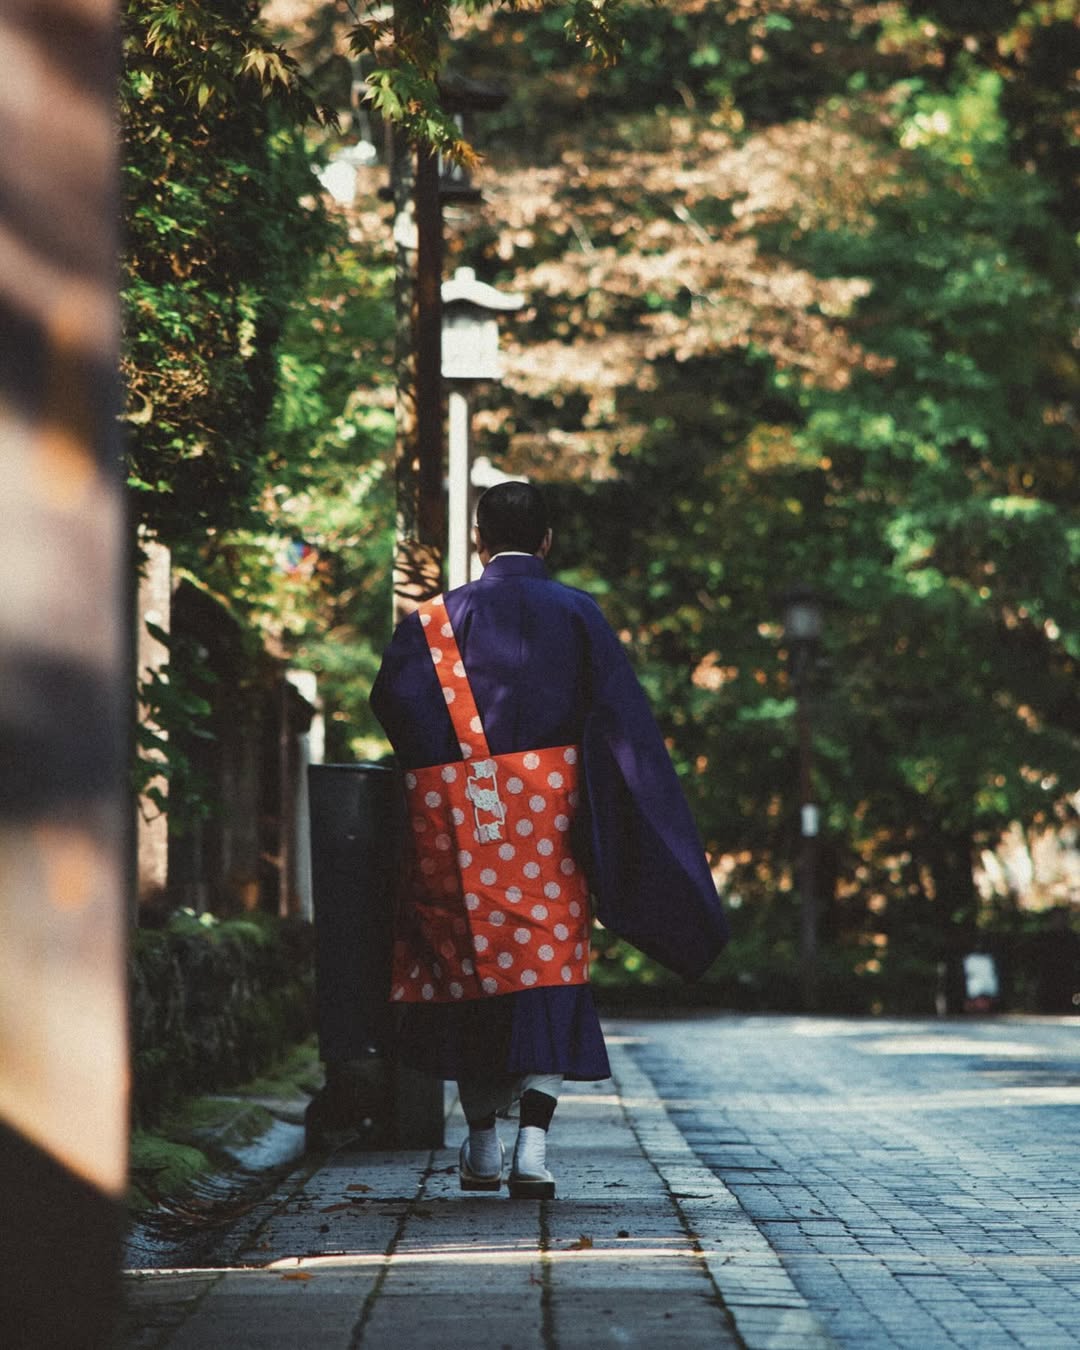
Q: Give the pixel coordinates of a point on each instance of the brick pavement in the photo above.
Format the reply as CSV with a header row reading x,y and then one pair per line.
x,y
382,1251
918,1182
809,1182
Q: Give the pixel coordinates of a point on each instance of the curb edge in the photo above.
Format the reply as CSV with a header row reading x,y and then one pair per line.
x,y
768,1311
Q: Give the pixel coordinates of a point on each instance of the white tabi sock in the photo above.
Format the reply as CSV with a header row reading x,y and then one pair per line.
x,y
485,1156
530,1153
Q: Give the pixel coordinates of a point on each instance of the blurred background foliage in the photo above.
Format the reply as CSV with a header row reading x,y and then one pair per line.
x,y
801,281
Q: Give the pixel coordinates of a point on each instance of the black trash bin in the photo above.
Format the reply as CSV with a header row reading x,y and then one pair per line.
x,y
355,842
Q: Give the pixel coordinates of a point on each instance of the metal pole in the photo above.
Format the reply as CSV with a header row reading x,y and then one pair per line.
x,y
460,543
807,864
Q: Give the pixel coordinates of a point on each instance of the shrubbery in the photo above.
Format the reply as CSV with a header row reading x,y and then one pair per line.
x,y
213,1002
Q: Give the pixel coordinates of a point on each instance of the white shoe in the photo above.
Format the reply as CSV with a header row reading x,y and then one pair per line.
x,y
529,1176
485,1174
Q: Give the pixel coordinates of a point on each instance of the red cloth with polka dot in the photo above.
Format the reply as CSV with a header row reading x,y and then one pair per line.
x,y
494,902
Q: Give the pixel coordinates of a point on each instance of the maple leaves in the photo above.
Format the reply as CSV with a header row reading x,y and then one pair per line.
x,y
207,57
635,256
407,39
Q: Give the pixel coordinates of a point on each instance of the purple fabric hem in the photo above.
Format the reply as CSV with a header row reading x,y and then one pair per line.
x,y
550,1030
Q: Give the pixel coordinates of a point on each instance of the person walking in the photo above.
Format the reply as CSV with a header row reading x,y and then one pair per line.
x,y
538,789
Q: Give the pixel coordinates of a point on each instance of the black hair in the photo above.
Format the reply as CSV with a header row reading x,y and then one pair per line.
x,y
512,516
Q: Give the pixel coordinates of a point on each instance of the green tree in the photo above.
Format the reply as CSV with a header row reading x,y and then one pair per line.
x,y
797,276
315,577
222,222
952,503
812,330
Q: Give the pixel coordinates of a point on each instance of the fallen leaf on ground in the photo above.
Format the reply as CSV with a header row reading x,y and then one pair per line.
x,y
297,1275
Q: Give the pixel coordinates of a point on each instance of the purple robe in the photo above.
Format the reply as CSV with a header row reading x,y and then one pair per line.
x,y
547,670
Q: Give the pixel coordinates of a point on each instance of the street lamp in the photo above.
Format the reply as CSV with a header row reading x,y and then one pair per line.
x,y
802,632
419,185
470,352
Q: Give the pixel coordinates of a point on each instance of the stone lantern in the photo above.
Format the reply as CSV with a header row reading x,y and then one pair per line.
x,y
470,352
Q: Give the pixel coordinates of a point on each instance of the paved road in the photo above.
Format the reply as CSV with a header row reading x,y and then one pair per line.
x,y
769,1183
919,1181
382,1251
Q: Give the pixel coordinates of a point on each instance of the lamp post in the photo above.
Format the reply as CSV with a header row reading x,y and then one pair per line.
x,y
802,632
470,352
420,184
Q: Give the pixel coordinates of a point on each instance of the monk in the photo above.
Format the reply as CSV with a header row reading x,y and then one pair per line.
x,y
539,792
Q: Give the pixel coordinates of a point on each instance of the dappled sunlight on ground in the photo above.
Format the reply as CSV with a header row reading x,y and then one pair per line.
x,y
944,1045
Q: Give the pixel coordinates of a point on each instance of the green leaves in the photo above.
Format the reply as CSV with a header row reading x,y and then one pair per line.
x,y
408,48
410,99
600,27
212,54
217,239
313,577
175,711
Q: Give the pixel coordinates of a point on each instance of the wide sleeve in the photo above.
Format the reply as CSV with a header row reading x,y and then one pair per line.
x,y
407,700
650,877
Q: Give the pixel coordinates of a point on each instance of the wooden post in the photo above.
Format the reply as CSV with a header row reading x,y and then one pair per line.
x,y
418,450
429,410
65,650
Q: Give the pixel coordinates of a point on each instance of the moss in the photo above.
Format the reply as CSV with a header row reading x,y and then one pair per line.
x,y
216,1123
214,1002
160,1167
199,1135
296,1075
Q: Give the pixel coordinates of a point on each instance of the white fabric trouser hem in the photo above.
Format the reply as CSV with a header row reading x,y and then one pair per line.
x,y
480,1096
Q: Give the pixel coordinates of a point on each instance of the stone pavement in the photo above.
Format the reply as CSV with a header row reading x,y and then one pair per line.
x,y
919,1181
769,1182
383,1250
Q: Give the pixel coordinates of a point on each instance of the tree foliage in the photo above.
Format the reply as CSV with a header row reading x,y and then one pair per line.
x,y
220,227
408,43
315,575
798,278
799,311
256,354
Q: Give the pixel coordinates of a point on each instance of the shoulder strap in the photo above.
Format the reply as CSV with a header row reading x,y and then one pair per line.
x,y
453,678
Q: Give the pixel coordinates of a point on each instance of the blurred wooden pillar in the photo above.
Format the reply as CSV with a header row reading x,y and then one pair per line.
x,y
66,669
